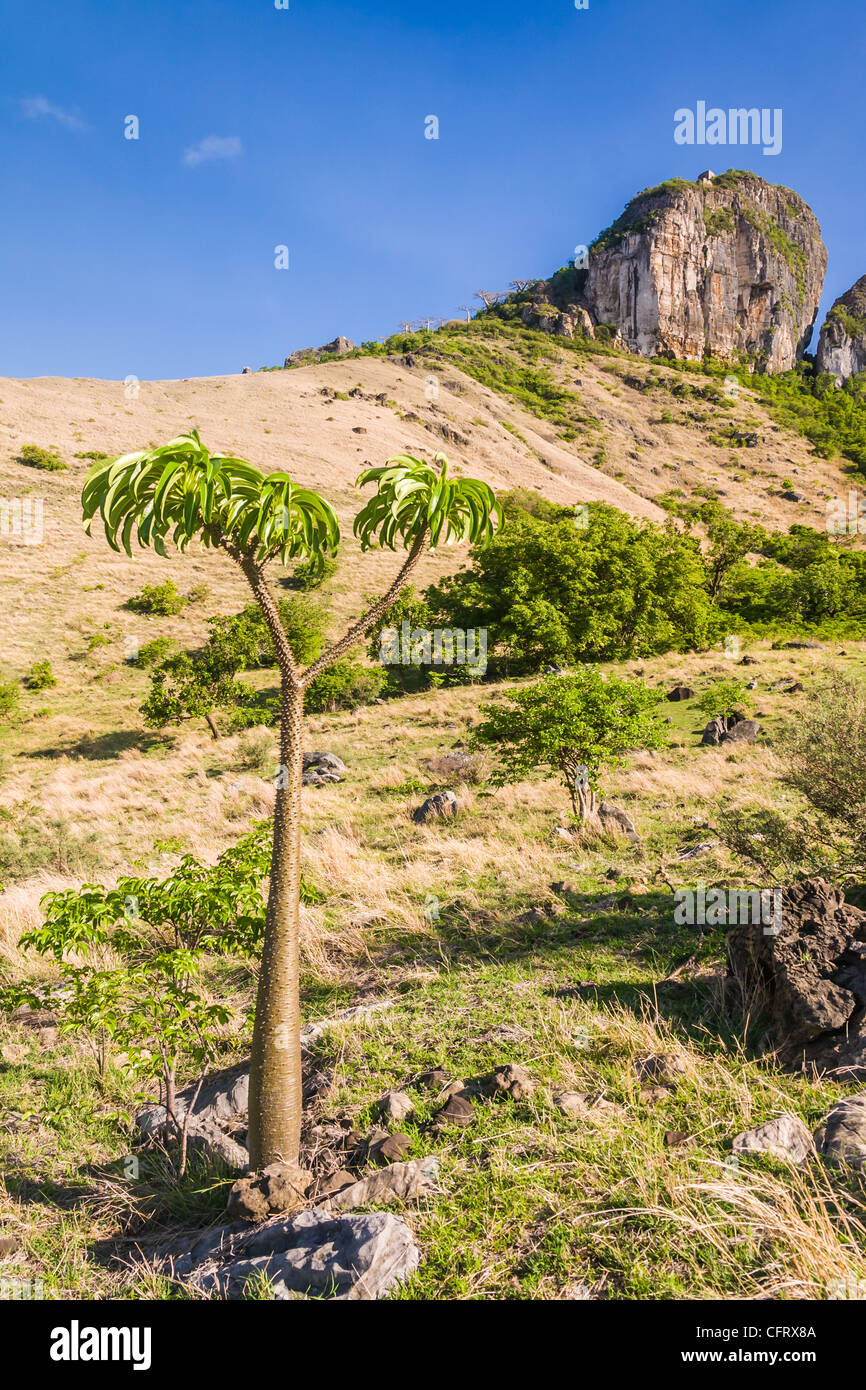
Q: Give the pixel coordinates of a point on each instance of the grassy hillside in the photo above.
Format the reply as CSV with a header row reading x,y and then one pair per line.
x,y
558,955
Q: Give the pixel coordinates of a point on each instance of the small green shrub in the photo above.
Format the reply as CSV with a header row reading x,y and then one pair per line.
x,y
345,685
309,575
158,600
152,653
9,697
257,752
40,676
723,697
34,457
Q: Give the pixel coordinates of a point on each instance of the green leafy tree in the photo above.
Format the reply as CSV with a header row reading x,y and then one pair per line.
x,y
189,685
180,492
553,591
577,724
730,541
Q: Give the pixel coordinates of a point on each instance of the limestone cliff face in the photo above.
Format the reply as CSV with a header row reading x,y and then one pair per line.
x,y
727,266
842,345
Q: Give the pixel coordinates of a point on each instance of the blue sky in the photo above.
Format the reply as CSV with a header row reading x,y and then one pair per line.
x,y
305,127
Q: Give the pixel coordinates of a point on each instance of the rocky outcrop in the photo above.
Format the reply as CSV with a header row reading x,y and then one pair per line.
x,y
338,348
808,973
727,266
842,345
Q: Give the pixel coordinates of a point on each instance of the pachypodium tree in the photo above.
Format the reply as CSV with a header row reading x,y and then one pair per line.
x,y
577,724
180,492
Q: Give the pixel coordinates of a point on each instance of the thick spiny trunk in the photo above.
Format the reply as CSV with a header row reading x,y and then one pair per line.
x,y
275,1064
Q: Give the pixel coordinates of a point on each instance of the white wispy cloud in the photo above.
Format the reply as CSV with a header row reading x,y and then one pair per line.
x,y
36,107
213,147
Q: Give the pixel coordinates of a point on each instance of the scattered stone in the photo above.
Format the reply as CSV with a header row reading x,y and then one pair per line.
x,y
329,761
786,1137
748,661
395,1105
745,731
279,1188
730,728
435,1080
804,646
542,913
510,1080
337,1182
614,821
680,692
14,1052
841,1137
571,1102
405,1181
654,1095
392,1149
205,1137
450,764
807,969
685,852
9,1245
791,496
675,1138
313,1254
457,1111
443,806
661,1066
580,1105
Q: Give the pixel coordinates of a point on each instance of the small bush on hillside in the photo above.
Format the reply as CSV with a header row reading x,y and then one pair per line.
x,y
40,676
309,575
257,752
152,653
345,685
34,457
158,600
723,697
9,698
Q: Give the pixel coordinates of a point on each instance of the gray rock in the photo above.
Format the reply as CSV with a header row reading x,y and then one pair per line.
x,y
786,1137
206,1138
457,1111
443,806
807,968
314,1254
509,1080
404,1181
842,345
281,1187
744,731
615,822
328,761
680,692
395,1105
340,344
660,1066
841,1137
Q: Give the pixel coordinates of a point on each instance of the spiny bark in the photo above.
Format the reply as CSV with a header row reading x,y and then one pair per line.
x,y
276,1087
275,1062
